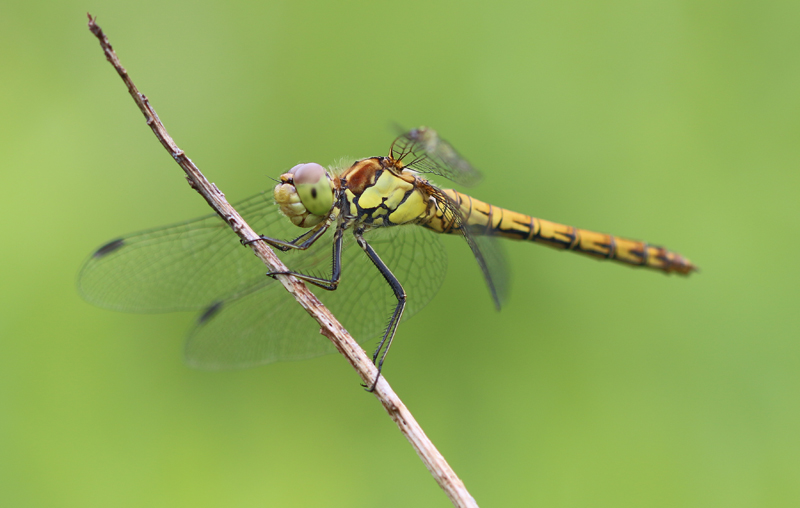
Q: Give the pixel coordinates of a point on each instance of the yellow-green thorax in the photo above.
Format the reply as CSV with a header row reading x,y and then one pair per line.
x,y
378,194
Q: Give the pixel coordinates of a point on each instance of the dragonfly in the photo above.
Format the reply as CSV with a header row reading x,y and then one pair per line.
x,y
369,248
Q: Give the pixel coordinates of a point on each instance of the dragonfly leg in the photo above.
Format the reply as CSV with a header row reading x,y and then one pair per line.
x,y
399,293
336,272
282,245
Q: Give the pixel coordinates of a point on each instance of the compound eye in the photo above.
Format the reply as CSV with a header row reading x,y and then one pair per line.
x,y
310,172
314,187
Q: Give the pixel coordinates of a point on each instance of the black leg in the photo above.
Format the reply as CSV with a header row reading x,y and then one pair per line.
x,y
282,245
336,272
399,293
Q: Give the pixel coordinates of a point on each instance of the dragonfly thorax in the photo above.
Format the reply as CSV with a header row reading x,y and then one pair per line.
x,y
305,194
380,192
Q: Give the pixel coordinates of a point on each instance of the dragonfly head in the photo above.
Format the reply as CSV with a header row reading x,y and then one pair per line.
x,y
305,194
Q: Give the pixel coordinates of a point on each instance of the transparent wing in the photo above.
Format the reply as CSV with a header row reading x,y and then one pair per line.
x,y
487,250
494,264
267,325
422,150
248,318
183,266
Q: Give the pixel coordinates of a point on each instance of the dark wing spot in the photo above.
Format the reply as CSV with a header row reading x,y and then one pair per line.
x,y
109,248
314,192
210,312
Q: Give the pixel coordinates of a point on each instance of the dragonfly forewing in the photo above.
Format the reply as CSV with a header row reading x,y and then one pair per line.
x,y
180,267
246,317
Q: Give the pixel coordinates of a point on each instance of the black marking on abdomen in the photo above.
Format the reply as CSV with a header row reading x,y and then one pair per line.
x,y
532,234
469,213
612,247
575,240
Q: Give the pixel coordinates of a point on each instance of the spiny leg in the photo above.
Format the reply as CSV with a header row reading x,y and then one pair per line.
x,y
282,245
399,293
336,272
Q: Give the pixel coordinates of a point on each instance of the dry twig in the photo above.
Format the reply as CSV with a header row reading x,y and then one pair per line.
x,y
330,327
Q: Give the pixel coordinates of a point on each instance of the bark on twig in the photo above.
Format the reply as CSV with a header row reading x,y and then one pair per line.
x,y
329,326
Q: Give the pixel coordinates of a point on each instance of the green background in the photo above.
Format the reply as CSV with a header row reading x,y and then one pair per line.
x,y
597,385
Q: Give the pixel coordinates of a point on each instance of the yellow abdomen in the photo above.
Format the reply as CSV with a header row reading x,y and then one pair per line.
x,y
485,219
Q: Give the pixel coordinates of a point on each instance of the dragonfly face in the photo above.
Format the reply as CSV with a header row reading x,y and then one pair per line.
x,y
305,194
246,319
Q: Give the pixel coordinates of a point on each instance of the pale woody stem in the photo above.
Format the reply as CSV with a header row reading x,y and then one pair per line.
x,y
329,326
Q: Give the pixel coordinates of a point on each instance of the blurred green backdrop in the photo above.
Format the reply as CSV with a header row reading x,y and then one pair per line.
x,y
598,385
